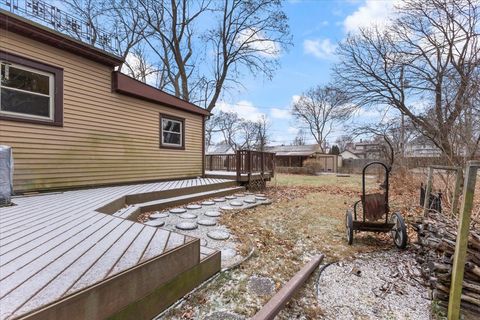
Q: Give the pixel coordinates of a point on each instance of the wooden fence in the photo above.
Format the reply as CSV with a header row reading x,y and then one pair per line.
x,y
242,162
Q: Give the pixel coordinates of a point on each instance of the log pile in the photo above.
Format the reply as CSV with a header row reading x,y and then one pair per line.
x,y
435,248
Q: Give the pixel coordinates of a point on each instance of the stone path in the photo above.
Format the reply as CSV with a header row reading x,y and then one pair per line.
x,y
200,220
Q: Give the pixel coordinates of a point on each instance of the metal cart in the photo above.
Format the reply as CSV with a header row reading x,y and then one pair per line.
x,y
376,212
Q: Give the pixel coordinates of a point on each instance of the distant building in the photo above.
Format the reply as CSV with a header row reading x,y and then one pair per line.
x,y
347,154
220,148
294,156
421,147
362,150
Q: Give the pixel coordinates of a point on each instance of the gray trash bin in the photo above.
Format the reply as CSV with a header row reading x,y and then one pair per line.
x,y
6,175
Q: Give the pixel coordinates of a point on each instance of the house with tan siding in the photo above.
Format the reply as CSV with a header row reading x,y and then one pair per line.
x,y
73,121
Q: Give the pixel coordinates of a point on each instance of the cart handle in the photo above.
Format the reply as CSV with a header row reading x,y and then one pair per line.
x,y
387,172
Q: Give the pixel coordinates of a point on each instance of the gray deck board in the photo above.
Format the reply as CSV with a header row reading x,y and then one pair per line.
x,y
53,245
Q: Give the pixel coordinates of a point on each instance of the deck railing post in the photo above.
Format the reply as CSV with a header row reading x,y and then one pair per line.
x,y
239,164
262,158
211,162
249,167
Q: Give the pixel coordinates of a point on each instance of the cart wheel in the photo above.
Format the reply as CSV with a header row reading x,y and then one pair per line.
x,y
349,226
399,231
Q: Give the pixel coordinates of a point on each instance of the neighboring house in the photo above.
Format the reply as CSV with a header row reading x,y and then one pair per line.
x,y
421,147
364,150
347,154
294,156
73,121
220,148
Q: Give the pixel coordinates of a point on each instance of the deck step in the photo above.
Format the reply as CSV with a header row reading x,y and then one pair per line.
x,y
164,296
133,211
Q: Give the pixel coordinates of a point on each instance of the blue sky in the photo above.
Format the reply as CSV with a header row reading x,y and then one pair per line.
x,y
317,26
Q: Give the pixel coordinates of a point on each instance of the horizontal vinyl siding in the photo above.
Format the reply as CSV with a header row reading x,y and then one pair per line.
x,y
106,137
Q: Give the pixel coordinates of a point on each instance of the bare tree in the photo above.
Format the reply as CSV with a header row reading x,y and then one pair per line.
x,y
344,141
228,125
262,126
428,56
173,35
249,34
300,138
320,109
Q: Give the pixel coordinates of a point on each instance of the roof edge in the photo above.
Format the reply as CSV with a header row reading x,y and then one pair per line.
x,y
19,25
129,86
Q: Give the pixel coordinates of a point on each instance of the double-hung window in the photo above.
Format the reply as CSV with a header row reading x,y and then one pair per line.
x,y
172,132
30,91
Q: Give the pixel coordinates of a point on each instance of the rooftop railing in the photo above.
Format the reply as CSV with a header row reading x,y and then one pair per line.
x,y
57,19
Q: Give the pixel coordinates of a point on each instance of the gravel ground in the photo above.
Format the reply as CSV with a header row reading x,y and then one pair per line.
x,y
379,285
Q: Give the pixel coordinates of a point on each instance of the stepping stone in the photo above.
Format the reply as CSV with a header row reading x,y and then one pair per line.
x,y
213,214
228,253
226,208
260,195
236,203
219,200
207,222
267,202
208,203
155,223
178,210
203,242
250,201
188,216
186,225
158,215
218,235
223,315
260,198
261,286
239,194
194,206
230,197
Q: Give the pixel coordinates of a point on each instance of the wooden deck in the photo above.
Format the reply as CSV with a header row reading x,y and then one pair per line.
x,y
229,175
57,245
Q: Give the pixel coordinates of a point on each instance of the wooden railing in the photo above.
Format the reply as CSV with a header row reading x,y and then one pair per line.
x,y
242,162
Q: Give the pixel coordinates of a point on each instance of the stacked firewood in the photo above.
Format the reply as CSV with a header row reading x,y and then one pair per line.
x,y
435,249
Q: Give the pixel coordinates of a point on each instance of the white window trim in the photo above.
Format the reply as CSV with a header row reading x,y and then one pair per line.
x,y
168,131
51,93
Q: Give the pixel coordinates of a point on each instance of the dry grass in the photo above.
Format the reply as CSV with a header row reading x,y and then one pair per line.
x,y
306,218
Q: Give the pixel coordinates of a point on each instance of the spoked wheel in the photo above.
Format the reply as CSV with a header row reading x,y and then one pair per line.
x,y
349,226
399,231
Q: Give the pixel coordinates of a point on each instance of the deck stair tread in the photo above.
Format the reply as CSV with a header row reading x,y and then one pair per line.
x,y
187,197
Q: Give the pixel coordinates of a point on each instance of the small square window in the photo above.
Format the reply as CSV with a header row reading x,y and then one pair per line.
x,y
171,132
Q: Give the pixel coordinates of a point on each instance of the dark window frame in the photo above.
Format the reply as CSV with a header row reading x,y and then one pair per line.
x,y
57,95
170,117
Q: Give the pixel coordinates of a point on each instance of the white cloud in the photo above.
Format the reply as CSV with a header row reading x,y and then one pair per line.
x,y
257,41
136,66
293,130
320,48
245,109
371,12
280,113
